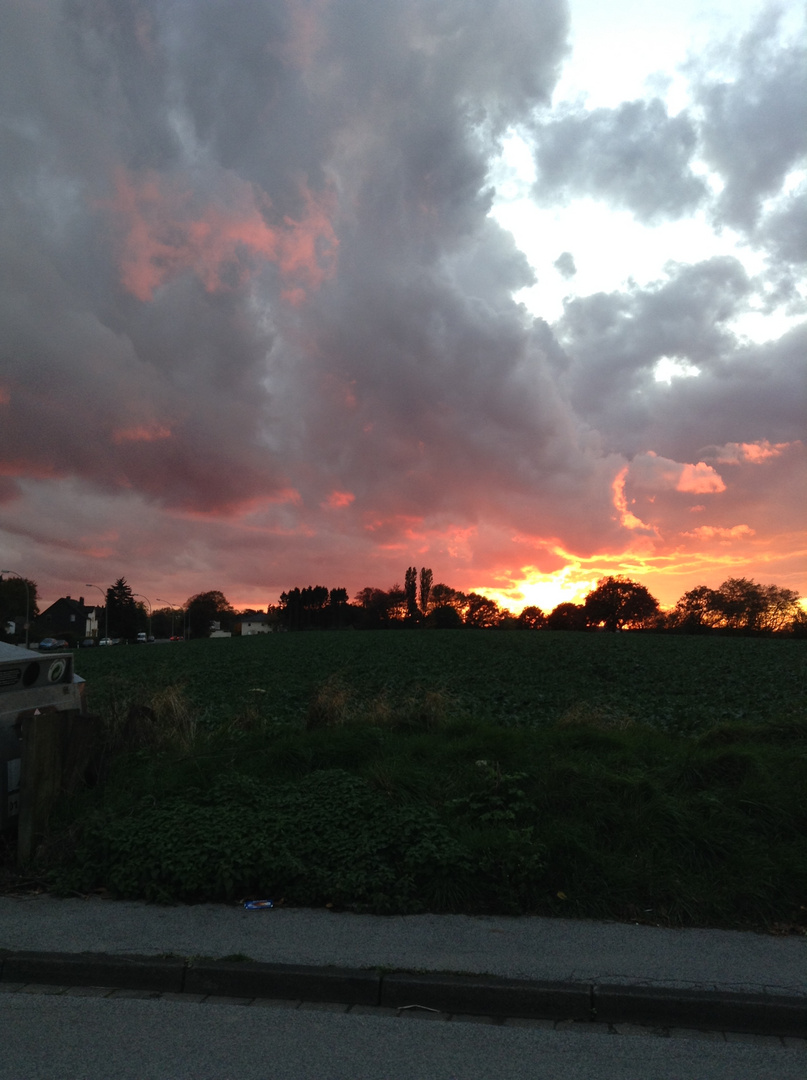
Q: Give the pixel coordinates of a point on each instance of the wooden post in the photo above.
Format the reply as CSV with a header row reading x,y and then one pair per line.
x,y
57,749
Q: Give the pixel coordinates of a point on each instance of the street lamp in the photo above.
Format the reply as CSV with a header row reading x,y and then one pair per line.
x,y
27,599
89,585
174,608
142,597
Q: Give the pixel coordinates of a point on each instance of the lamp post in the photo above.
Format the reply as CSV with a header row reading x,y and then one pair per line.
x,y
174,608
142,597
89,585
27,599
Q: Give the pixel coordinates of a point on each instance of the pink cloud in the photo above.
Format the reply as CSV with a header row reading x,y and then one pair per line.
x,y
150,432
741,453
700,479
164,232
650,472
337,500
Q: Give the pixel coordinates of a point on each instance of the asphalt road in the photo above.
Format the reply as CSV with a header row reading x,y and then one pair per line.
x,y
61,1038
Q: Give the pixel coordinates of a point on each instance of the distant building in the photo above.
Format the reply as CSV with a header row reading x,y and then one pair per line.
x,y
255,624
69,616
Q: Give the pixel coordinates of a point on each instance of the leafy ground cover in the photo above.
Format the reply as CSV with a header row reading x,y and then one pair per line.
x,y
568,774
681,684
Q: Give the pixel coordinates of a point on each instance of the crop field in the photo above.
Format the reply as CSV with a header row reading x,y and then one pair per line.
x,y
649,778
677,684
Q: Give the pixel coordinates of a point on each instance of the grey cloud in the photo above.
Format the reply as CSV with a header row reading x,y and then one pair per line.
x,y
754,117
565,265
614,341
635,156
207,390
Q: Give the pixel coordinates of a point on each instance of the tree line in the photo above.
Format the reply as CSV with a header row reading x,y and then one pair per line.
x,y
617,603
738,606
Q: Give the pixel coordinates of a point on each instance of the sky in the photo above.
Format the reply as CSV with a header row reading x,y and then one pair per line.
x,y
309,291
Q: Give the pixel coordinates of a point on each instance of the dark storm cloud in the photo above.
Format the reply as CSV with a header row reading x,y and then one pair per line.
x,y
635,156
753,103
255,309
248,253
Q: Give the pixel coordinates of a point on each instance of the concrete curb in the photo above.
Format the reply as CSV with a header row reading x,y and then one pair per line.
x,y
711,1009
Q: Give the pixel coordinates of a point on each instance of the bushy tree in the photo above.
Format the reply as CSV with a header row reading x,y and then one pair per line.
x,y
206,608
531,618
567,616
482,613
739,604
17,595
618,602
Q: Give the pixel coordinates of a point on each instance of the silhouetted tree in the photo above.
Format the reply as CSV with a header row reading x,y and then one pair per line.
x,y
337,602
531,618
444,617
17,595
206,608
411,592
696,611
618,602
426,579
124,616
567,616
483,613
739,604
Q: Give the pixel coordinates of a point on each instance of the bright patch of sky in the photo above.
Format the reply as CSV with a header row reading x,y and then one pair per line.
x,y
622,53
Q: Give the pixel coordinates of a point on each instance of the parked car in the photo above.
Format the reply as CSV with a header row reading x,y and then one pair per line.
x,y
141,638
87,643
108,641
50,643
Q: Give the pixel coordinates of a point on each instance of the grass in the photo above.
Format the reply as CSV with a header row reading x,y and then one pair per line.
x,y
463,772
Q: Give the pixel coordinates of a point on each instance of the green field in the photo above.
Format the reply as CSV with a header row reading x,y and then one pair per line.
x,y
678,684
650,778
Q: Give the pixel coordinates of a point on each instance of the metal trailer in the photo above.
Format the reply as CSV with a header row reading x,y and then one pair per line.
x,y
29,682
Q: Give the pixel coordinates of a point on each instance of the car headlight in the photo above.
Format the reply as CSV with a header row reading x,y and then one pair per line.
x,y
56,670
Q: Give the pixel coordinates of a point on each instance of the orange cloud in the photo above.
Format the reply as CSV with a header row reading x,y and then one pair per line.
x,y
141,433
700,479
740,453
339,499
626,516
709,532
653,473
164,232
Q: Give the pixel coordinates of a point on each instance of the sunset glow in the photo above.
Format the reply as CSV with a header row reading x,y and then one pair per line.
x,y
514,293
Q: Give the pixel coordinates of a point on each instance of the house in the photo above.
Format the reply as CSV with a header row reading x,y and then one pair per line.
x,y
69,616
255,624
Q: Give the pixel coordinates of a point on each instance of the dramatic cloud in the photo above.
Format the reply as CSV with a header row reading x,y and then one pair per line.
x,y
261,328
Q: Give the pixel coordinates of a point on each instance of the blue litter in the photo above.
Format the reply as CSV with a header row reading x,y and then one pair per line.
x,y
257,905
